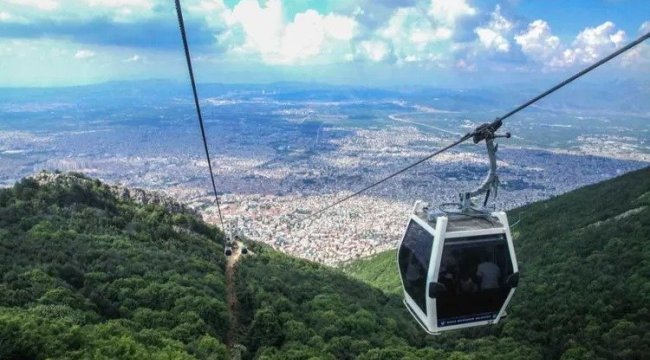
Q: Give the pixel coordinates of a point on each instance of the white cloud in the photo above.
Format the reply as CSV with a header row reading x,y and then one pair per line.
x,y
644,28
147,4
5,16
465,65
410,35
449,11
376,51
590,45
303,37
46,5
207,6
51,62
307,37
413,26
639,55
436,32
537,42
134,58
262,26
491,39
214,12
493,35
123,10
416,34
83,10
310,33
339,27
84,54
593,43
8,17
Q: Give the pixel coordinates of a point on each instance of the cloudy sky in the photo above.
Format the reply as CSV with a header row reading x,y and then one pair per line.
x,y
366,42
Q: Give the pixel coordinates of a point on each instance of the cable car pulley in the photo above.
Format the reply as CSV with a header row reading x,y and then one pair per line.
x,y
490,185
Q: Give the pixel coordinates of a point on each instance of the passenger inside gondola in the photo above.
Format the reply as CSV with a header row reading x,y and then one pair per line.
x,y
472,271
489,273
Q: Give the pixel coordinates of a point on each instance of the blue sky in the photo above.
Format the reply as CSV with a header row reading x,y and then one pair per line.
x,y
459,43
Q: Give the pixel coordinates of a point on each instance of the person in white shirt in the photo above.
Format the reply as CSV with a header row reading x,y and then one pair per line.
x,y
489,273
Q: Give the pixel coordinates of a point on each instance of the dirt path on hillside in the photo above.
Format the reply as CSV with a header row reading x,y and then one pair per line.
x,y
231,293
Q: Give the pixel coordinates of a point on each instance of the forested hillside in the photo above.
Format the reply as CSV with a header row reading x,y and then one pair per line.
x,y
585,264
293,309
87,274
84,274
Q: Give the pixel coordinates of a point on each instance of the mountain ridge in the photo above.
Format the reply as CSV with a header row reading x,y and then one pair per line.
x,y
85,273
137,195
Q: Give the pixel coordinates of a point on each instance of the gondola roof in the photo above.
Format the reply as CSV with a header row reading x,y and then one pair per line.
x,y
459,222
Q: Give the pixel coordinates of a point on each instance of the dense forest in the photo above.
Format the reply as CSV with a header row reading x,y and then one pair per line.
x,y
585,264
87,274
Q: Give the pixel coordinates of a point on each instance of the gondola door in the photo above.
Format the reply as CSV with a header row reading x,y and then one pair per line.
x,y
417,267
476,276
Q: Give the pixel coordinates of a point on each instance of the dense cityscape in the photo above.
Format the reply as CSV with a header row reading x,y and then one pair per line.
x,y
278,161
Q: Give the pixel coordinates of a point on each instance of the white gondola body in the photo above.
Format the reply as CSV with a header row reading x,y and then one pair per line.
x,y
436,237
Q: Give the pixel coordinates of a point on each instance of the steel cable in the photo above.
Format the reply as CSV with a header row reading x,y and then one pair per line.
x,y
496,123
181,25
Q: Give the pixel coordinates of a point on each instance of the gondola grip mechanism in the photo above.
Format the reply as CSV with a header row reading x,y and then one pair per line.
x,y
487,133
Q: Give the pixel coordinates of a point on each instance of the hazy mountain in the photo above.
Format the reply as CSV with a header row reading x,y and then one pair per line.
x,y
625,95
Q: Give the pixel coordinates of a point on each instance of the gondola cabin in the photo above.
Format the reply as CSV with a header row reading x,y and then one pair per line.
x,y
457,270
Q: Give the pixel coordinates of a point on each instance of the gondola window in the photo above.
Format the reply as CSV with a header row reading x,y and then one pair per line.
x,y
414,257
474,272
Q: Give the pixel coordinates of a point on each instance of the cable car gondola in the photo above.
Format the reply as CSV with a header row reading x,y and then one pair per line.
x,y
234,242
458,267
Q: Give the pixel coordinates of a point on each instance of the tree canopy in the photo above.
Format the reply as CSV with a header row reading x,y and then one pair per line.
x,y
86,274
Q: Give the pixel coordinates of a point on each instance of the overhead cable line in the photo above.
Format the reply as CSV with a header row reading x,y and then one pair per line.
x,y
181,24
579,74
464,138
478,132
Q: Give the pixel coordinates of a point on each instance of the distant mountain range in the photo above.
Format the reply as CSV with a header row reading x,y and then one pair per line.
x,y
626,95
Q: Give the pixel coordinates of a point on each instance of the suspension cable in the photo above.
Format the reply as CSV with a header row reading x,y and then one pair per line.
x,y
463,139
607,58
495,124
181,25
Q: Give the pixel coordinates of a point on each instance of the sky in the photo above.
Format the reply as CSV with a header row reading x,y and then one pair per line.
x,y
446,43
